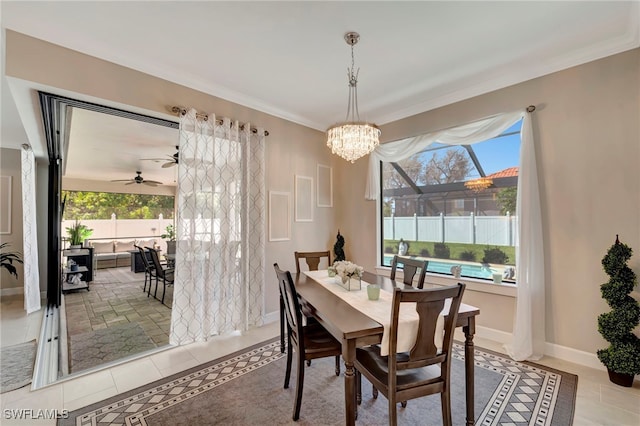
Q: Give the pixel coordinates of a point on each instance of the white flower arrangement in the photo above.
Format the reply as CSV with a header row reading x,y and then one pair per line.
x,y
345,270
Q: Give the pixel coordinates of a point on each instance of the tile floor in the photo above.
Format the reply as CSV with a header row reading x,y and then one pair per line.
x,y
115,301
598,401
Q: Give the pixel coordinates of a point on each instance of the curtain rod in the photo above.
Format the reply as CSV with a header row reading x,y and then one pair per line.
x,y
182,111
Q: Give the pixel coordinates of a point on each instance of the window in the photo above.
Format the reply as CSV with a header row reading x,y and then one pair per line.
x,y
455,206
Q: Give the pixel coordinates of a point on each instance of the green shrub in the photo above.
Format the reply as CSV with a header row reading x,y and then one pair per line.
x,y
468,255
441,251
388,249
495,255
425,252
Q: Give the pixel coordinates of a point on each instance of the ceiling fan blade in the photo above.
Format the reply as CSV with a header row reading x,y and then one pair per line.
x,y
151,182
157,160
169,164
121,180
130,182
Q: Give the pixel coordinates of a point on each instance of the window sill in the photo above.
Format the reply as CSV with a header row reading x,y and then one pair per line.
x,y
473,284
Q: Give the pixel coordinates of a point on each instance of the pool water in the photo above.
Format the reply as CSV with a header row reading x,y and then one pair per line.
x,y
444,267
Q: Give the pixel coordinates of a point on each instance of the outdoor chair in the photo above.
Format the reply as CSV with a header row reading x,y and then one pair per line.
x,y
311,341
149,269
160,273
411,374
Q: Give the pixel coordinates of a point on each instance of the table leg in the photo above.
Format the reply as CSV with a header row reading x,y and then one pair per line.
x,y
469,331
349,355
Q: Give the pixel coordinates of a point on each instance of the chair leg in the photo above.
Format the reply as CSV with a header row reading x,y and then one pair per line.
x,y
393,410
155,292
358,388
281,325
144,289
445,401
164,289
337,365
375,393
287,374
299,385
404,404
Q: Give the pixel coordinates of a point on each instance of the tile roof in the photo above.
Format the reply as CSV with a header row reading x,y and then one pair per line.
x,y
510,172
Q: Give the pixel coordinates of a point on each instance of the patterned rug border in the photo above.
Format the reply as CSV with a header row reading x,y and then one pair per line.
x,y
173,377
567,388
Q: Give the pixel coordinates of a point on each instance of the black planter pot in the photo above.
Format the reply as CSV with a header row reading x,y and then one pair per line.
x,y
621,379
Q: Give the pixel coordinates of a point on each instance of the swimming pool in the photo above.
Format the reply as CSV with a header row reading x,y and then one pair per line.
x,y
444,267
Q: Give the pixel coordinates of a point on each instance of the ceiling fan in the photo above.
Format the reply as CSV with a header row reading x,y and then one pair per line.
x,y
139,179
170,160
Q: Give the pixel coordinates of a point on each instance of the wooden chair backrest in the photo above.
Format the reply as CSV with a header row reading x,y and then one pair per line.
x,y
410,268
429,303
292,309
312,258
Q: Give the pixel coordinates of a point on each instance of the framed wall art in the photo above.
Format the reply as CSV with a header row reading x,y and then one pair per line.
x,y
304,199
279,216
325,186
5,204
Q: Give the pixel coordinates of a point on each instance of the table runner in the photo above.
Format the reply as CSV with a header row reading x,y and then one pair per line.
x,y
380,311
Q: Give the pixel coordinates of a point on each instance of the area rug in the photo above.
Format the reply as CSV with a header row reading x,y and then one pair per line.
x,y
245,388
16,365
98,347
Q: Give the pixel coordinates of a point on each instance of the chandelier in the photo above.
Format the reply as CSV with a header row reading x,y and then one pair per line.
x,y
479,184
353,139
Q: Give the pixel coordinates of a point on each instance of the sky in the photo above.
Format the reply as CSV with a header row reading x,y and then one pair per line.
x,y
500,153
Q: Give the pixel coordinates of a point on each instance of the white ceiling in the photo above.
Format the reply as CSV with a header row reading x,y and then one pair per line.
x,y
289,59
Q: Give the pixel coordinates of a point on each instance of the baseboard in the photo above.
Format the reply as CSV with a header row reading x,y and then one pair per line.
x,y
271,317
550,349
12,291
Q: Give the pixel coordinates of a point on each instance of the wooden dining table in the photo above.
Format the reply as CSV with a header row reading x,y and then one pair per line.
x,y
354,329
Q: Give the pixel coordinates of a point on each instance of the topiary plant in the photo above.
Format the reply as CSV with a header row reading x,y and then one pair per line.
x,y
616,326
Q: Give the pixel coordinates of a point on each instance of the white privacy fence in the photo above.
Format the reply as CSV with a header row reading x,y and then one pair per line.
x,y
490,230
122,228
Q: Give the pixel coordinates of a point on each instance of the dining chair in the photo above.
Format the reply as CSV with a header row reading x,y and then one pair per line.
x,y
411,374
410,267
166,274
310,341
149,269
312,259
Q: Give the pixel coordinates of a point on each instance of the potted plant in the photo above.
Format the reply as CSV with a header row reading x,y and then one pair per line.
x,y
622,357
7,258
170,236
77,234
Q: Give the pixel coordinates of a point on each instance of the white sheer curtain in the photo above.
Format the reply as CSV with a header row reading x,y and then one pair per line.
x,y
30,232
529,325
220,229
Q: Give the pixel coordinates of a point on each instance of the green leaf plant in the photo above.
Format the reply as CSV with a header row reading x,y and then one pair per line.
x,y
616,326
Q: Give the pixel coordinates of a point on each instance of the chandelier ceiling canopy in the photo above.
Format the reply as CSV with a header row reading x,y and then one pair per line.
x,y
353,138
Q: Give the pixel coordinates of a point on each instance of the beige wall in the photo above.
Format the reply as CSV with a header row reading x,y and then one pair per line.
x,y
10,166
290,148
588,148
587,134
